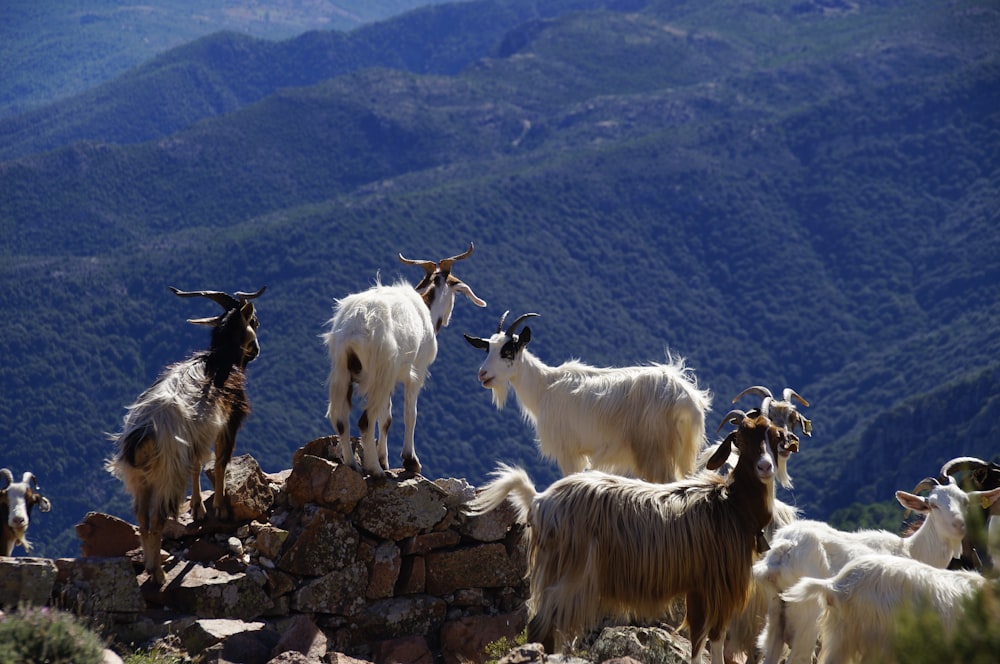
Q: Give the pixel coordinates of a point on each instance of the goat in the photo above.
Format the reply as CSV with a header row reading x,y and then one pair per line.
x,y
647,421
815,549
783,412
741,635
976,474
860,602
16,501
192,411
384,336
603,544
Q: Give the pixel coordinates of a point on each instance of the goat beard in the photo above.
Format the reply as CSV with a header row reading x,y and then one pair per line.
x,y
500,391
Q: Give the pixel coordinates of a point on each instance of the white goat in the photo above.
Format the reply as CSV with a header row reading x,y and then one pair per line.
x,y
384,336
16,501
191,413
601,544
979,550
860,602
646,421
815,549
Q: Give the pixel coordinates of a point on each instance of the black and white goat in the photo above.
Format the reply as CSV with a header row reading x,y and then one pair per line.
x,y
601,544
646,421
16,502
384,336
192,411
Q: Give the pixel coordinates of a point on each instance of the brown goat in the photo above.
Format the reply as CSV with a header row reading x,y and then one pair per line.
x,y
191,412
601,544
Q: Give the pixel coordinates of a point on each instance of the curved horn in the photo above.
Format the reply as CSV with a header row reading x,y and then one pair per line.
x,y
734,416
520,319
502,319
959,464
429,266
7,475
30,479
788,394
446,263
249,296
759,390
226,300
925,484
765,406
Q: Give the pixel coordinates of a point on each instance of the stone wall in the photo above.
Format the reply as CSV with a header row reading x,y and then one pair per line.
x,y
323,566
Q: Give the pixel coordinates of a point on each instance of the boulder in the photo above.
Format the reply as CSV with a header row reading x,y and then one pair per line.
x,y
106,536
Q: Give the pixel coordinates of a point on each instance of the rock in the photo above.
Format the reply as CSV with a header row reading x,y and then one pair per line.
x,y
465,640
407,650
341,591
106,536
301,635
212,593
529,653
492,526
325,482
396,509
269,540
325,542
421,544
247,489
26,581
483,566
412,576
98,586
383,571
399,617
649,645
252,647
204,633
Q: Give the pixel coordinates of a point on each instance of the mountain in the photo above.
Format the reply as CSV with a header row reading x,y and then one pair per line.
x,y
784,193
55,49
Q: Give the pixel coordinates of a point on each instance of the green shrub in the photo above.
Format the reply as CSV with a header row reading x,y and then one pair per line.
x,y
47,636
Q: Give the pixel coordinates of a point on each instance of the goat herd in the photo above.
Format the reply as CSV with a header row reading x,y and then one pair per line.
x,y
655,516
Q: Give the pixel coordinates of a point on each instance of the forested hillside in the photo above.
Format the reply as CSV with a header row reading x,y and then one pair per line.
x,y
784,193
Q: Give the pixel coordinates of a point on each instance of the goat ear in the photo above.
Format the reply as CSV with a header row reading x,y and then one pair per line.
x,y
524,337
912,502
44,504
986,498
722,453
461,287
481,344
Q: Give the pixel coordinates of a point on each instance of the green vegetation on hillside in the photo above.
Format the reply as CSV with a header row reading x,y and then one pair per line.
x,y
782,196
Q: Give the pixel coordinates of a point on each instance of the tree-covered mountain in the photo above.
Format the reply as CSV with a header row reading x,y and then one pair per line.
x,y
54,49
785,193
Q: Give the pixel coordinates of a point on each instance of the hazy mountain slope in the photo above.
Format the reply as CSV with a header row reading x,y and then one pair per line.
x,y
226,71
777,221
55,49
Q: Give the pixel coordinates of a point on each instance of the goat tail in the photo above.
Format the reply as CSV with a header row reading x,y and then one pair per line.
x,y
809,589
509,482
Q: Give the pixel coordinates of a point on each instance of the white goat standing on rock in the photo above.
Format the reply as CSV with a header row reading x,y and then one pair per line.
x,y
384,336
646,421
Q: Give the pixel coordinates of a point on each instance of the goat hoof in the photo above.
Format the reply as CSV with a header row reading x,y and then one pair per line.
x,y
412,465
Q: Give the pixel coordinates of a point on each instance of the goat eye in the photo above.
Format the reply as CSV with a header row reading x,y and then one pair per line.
x,y
507,351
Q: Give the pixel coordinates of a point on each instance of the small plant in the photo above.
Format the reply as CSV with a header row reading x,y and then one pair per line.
x,y
497,650
47,635
156,655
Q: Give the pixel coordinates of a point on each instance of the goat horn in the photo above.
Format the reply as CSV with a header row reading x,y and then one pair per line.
x,y
502,319
7,475
226,300
759,390
29,478
788,394
959,464
446,263
926,483
520,319
734,416
765,406
429,266
249,296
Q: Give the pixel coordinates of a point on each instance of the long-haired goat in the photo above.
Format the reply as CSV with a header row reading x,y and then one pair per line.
x,y
646,421
815,549
601,544
384,336
16,502
191,412
861,601
741,635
